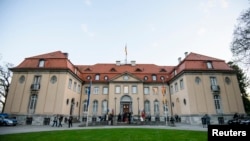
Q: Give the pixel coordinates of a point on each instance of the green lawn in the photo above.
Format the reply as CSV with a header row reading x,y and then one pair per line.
x,y
127,134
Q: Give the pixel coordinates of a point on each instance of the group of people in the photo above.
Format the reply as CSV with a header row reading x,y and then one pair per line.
x,y
57,121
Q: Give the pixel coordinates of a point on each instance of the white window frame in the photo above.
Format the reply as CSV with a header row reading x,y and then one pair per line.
x,y
117,89
146,90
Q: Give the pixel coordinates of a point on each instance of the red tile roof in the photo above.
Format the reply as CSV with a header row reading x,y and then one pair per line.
x,y
59,60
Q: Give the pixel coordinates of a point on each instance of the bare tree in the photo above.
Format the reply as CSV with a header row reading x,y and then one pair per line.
x,y
5,79
240,46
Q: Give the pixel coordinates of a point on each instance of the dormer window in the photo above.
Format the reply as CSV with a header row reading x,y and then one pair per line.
x,y
154,77
163,70
162,78
209,65
145,78
106,78
112,70
41,63
88,77
97,77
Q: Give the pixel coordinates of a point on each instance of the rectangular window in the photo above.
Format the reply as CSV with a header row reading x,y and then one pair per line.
x,y
213,81
41,63
181,84
70,83
134,89
146,90
86,89
176,87
79,88
85,108
125,89
97,77
96,90
209,65
171,89
117,89
155,90
105,90
154,77
74,88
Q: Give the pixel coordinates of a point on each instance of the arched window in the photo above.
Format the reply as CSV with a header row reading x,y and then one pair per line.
x,y
95,107
227,80
147,107
156,107
197,80
104,106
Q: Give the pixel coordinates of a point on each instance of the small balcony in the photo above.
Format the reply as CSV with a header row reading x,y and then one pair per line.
x,y
215,88
35,87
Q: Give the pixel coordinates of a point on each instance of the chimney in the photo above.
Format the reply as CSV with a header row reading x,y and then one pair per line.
x,y
118,63
179,59
132,63
66,54
186,53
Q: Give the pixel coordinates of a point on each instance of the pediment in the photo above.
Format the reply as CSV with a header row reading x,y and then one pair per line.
x,y
126,77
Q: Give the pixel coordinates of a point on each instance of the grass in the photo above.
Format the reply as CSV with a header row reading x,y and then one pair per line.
x,y
120,134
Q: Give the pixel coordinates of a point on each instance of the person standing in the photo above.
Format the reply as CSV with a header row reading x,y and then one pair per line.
x,y
60,121
70,121
55,121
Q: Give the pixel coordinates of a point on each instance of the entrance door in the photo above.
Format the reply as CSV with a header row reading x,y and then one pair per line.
x,y
125,108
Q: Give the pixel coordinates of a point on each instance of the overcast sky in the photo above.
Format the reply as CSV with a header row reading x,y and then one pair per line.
x,y
97,31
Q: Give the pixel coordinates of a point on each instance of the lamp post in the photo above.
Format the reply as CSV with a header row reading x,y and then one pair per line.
x,y
138,108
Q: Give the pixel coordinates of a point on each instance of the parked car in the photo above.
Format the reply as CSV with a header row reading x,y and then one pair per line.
x,y
245,121
6,120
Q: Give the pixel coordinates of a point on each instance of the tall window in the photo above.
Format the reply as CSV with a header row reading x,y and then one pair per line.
x,y
117,89
70,83
79,88
156,107
217,103
105,90
146,90
181,84
176,87
74,88
134,89
104,106
147,107
37,79
41,63
213,81
32,103
85,108
95,107
171,89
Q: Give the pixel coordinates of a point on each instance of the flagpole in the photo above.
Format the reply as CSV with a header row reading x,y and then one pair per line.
x,y
126,53
89,92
